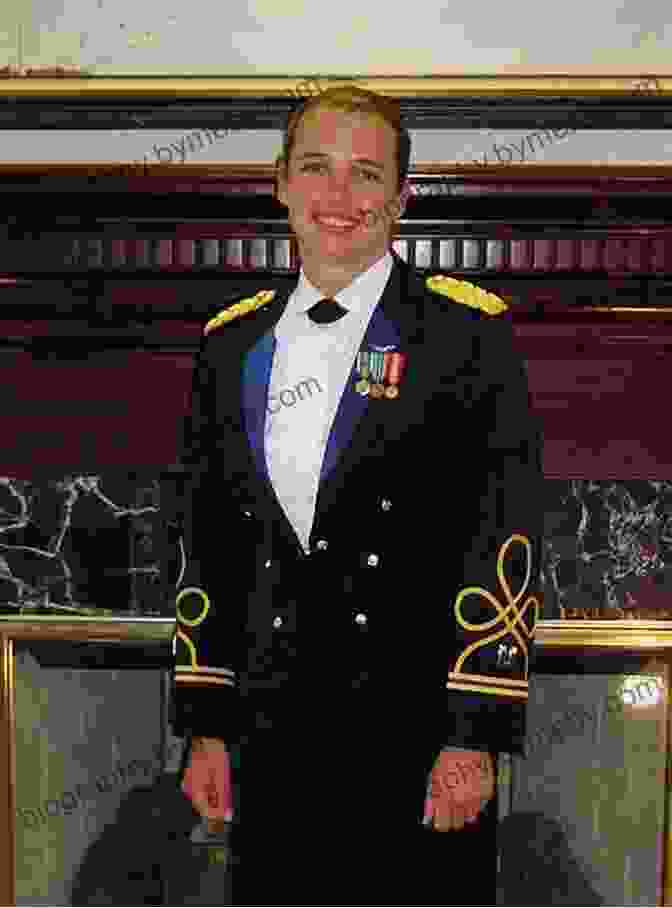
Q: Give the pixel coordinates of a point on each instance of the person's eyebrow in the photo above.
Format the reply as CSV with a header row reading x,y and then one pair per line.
x,y
319,154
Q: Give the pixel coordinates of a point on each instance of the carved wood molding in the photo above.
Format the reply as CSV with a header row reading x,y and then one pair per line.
x,y
557,243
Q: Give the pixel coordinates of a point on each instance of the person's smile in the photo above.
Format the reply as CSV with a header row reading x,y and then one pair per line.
x,y
335,223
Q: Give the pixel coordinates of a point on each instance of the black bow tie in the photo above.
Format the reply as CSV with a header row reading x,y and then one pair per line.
x,y
326,311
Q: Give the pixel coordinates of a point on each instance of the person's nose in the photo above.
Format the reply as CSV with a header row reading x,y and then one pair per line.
x,y
339,191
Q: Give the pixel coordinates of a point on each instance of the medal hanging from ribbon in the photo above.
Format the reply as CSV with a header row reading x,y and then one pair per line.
x,y
380,374
377,363
394,374
362,386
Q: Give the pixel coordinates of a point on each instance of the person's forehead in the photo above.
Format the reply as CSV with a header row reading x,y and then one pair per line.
x,y
332,125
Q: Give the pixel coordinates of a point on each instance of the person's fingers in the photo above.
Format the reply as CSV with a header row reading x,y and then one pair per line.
x,y
454,817
444,819
459,819
206,787
210,804
449,816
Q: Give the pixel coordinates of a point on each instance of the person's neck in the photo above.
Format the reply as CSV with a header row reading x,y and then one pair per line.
x,y
330,278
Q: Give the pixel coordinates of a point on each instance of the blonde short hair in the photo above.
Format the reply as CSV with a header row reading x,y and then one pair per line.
x,y
350,99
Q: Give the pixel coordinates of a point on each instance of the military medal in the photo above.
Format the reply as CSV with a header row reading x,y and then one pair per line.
x,y
363,386
394,372
380,372
377,361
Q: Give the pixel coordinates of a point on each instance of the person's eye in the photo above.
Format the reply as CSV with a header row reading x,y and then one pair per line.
x,y
311,166
372,176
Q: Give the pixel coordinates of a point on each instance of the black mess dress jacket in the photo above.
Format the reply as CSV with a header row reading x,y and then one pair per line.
x,y
421,589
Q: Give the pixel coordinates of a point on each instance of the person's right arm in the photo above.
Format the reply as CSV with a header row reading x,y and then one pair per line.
x,y
207,634
204,644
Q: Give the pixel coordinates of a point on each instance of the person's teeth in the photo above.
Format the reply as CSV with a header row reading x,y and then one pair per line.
x,y
336,222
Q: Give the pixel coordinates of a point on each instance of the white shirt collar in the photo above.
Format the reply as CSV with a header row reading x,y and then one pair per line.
x,y
361,296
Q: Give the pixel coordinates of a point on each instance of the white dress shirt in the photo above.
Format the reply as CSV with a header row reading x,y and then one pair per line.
x,y
310,368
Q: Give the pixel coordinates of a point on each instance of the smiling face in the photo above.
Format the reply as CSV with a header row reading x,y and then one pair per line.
x,y
341,190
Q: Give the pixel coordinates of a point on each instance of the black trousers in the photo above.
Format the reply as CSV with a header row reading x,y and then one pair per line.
x,y
329,812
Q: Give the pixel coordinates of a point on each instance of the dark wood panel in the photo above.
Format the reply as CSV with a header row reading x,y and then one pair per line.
x,y
638,110
100,314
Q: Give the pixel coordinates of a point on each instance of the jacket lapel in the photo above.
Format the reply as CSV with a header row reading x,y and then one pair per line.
x,y
245,393
256,379
362,426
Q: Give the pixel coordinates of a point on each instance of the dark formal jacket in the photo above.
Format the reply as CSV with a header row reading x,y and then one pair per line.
x,y
426,544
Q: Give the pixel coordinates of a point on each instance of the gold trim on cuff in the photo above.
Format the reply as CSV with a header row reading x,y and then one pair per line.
x,y
504,690
475,688
487,679
203,682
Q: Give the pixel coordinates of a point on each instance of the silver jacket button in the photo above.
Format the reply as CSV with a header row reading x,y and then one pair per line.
x,y
386,504
361,618
321,544
277,621
372,560
268,563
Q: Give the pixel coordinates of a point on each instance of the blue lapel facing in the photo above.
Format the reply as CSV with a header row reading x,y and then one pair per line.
x,y
381,332
256,379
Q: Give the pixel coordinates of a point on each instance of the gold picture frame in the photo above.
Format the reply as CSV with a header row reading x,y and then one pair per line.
x,y
71,81
118,631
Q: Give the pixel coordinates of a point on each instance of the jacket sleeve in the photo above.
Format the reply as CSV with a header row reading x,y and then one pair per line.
x,y
204,699
495,612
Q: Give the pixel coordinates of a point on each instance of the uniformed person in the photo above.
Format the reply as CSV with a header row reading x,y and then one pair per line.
x,y
361,544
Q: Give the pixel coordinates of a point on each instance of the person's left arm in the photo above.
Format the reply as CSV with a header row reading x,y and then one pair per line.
x,y
494,613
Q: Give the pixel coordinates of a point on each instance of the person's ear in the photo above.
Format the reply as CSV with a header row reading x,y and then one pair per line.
x,y
396,207
404,196
281,181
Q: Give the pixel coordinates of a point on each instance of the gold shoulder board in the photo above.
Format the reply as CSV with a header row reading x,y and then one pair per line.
x,y
249,304
466,293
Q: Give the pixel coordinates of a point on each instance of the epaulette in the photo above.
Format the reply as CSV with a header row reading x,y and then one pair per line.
x,y
249,304
466,293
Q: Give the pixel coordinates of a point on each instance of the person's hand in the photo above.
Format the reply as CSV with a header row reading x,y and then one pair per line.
x,y
207,780
461,784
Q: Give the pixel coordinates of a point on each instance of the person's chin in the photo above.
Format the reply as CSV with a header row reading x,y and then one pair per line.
x,y
339,248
